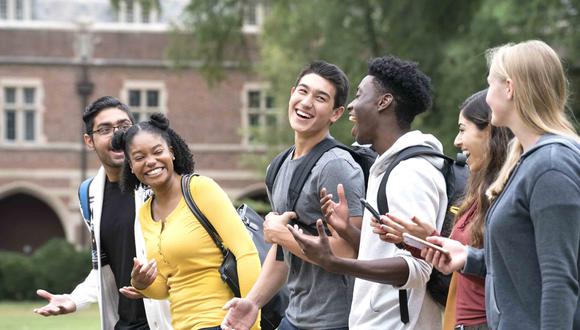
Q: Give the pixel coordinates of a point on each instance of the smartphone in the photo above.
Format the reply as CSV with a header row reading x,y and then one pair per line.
x,y
421,244
371,209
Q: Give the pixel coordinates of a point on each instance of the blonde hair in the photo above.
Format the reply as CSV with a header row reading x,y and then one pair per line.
x,y
540,95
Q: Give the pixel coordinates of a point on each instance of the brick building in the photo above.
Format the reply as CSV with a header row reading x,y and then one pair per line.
x,y
50,51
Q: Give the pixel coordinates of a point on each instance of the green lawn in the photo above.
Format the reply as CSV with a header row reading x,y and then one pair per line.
x,y
19,316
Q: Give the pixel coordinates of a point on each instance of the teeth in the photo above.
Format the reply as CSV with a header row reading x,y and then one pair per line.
x,y
303,114
154,172
352,118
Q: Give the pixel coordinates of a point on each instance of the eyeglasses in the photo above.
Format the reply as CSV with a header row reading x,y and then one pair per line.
x,y
108,130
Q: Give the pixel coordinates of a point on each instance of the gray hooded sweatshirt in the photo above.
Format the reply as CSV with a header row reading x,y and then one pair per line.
x,y
532,242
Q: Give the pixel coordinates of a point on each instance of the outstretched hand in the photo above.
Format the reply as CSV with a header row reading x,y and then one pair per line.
x,y
57,304
392,228
315,248
142,275
336,214
445,263
242,314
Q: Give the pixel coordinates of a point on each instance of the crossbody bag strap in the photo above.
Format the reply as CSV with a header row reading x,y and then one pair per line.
x,y
185,189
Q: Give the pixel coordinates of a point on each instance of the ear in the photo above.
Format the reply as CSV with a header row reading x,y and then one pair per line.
x,y
336,113
172,153
88,139
509,88
385,101
292,89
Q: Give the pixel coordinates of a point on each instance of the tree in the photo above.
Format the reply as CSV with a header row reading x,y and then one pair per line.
x,y
447,38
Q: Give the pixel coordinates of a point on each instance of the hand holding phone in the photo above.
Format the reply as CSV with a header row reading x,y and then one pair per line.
x,y
371,209
422,244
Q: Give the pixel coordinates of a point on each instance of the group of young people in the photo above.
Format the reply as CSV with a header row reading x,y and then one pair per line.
x,y
513,251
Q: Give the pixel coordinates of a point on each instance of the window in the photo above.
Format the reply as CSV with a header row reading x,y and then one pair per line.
x,y
253,16
20,108
134,11
259,111
15,10
144,98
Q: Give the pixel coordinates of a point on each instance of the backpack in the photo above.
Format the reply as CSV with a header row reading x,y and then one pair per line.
x,y
364,156
455,173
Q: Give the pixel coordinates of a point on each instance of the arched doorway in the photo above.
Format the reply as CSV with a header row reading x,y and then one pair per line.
x,y
26,223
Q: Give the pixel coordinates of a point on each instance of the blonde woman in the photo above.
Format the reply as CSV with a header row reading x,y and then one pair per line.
x,y
532,230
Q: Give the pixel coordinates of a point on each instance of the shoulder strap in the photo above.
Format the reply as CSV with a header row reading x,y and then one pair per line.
x,y
303,171
185,189
275,167
402,155
84,199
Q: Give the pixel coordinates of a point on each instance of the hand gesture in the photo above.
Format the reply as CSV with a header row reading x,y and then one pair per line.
x,y
315,248
142,275
336,214
57,304
242,314
131,293
276,223
415,227
445,264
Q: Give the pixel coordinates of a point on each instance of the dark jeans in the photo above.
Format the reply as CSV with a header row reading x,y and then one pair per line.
x,y
286,325
212,328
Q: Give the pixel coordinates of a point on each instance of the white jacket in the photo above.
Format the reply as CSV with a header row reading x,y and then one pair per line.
x,y
99,286
415,187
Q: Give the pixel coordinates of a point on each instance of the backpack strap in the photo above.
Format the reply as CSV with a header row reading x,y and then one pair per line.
x,y
402,155
185,189
84,199
274,167
299,177
303,171
383,204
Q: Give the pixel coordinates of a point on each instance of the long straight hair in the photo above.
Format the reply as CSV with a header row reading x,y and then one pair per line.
x,y
540,95
476,110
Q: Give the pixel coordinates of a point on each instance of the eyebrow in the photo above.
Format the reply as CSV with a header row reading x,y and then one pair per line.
x,y
316,91
117,122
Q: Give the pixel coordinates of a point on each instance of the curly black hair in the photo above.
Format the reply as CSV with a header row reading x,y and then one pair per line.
x,y
410,87
157,124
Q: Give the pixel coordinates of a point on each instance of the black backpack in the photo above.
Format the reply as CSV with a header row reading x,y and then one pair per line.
x,y
455,173
364,156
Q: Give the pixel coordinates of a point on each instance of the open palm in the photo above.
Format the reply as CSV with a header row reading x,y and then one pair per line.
x,y
336,214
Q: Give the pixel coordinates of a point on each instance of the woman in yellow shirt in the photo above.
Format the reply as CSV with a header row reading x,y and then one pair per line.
x,y
184,260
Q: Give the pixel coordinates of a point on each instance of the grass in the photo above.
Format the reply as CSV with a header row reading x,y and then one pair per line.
x,y
19,316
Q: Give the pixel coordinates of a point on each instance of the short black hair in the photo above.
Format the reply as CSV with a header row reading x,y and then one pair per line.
x,y
157,124
410,87
100,104
331,73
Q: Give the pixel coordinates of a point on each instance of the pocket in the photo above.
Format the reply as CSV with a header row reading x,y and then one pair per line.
x,y
493,312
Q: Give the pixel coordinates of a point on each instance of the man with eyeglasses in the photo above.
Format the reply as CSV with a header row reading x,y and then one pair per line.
x,y
115,232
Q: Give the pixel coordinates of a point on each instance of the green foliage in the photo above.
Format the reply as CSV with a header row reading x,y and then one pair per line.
x,y
16,276
447,38
59,267
56,267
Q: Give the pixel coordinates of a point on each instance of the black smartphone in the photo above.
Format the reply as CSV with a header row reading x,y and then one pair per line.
x,y
371,209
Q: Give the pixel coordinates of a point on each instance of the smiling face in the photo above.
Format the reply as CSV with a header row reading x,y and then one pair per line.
x,y
363,111
472,141
311,106
101,143
151,159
